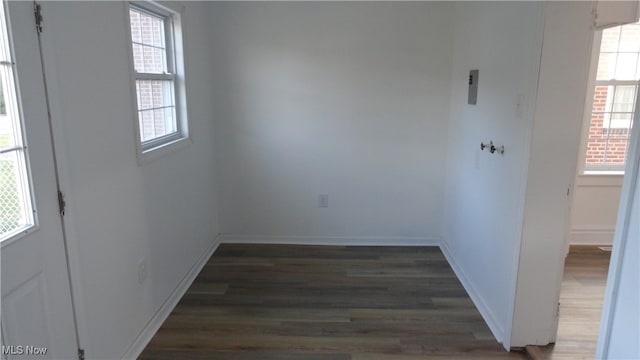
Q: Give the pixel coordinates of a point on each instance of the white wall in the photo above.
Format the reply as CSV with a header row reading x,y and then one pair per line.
x,y
347,99
119,213
344,99
594,209
484,196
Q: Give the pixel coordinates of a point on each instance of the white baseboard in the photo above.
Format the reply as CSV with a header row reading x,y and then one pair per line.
x,y
591,236
485,311
331,240
165,310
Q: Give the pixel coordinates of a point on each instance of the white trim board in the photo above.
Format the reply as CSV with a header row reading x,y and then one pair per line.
x,y
630,185
478,301
591,236
331,240
167,307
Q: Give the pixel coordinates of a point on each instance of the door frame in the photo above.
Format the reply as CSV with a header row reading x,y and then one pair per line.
x,y
621,238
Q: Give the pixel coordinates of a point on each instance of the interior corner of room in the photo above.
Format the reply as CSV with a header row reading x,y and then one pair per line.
x,y
468,126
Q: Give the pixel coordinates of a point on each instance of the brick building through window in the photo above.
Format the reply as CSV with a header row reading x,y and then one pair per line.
x,y
158,67
614,98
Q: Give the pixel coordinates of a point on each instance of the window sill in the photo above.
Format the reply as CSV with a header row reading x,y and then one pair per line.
x,y
149,155
602,173
600,179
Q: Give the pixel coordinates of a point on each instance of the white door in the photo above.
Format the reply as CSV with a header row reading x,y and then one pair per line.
x,y
37,309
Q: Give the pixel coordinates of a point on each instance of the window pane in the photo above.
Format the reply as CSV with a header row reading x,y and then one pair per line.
x,y
136,31
152,30
146,28
164,119
157,123
157,94
149,59
620,121
170,119
6,133
616,151
138,57
155,60
7,130
611,121
13,195
156,108
610,152
154,93
606,66
155,75
143,92
148,37
626,66
613,103
629,38
624,99
610,38
147,129
3,105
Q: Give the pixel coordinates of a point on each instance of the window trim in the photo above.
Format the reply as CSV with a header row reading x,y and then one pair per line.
x,y
607,169
615,83
31,212
182,137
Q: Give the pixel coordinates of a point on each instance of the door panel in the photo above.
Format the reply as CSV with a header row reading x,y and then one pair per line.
x,y
28,298
36,296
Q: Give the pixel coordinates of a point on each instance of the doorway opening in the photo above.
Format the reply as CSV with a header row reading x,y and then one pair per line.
x,y
609,112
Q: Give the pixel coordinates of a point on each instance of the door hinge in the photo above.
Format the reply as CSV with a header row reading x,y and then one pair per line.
x,y
37,10
80,354
62,204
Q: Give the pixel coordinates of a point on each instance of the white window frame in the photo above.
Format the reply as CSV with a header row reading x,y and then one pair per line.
x,y
154,148
608,123
14,110
597,170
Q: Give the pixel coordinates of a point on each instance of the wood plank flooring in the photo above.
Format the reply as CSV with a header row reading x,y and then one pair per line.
x,y
581,300
325,302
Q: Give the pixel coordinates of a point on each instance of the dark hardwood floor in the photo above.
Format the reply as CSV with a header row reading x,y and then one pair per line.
x,y
581,300
325,302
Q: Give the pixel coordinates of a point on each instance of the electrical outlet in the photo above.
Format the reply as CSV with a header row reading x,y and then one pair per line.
x,y
142,271
323,200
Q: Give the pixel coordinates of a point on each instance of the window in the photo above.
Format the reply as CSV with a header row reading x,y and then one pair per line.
x,y
159,77
16,207
614,98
